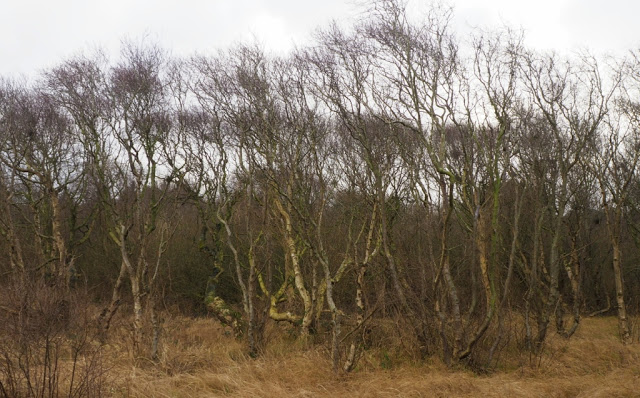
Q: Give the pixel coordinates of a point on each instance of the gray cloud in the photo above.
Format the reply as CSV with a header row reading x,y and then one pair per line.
x,y
38,33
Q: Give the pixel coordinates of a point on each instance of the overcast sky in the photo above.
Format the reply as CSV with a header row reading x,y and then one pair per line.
x,y
38,34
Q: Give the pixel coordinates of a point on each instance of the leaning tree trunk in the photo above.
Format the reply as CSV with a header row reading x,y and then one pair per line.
x,y
116,299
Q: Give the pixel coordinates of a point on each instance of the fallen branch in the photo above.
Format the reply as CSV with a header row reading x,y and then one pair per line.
x,y
595,313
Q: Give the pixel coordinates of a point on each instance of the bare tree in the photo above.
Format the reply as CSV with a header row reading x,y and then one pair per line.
x,y
571,101
615,160
45,166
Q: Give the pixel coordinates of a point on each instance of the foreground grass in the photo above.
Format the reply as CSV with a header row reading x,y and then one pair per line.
x,y
200,360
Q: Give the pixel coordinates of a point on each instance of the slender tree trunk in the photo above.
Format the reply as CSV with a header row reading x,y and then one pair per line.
x,y
554,272
573,273
15,248
352,354
156,325
252,327
483,257
136,292
62,272
507,282
335,315
623,321
292,253
532,291
137,309
459,340
613,218
116,299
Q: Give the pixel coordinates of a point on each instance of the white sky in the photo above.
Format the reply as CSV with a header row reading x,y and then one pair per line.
x,y
38,34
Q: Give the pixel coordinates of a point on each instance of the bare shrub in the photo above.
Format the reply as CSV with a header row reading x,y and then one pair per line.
x,y
48,345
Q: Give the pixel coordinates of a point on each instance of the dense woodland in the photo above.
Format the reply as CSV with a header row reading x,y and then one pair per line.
x,y
470,189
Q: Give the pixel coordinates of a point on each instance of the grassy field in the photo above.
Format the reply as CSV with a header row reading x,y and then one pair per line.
x,y
200,359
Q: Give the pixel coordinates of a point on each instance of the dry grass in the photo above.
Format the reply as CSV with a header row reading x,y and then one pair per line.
x,y
201,359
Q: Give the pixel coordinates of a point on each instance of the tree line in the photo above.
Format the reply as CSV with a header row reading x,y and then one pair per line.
x,y
474,190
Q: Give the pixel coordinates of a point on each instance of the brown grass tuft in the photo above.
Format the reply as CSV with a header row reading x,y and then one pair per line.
x,y
200,358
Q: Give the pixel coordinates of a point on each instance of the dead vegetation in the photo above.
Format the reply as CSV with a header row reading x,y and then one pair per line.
x,y
200,358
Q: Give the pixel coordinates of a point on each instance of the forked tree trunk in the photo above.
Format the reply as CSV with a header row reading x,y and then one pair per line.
x,y
136,292
292,253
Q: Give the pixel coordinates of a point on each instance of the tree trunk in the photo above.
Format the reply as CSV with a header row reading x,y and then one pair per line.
x,y
623,321
136,292
573,273
292,252
108,313
62,272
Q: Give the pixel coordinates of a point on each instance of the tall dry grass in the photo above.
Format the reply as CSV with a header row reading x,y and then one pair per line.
x,y
200,358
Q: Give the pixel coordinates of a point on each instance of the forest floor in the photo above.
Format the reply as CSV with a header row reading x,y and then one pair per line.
x,y
200,359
